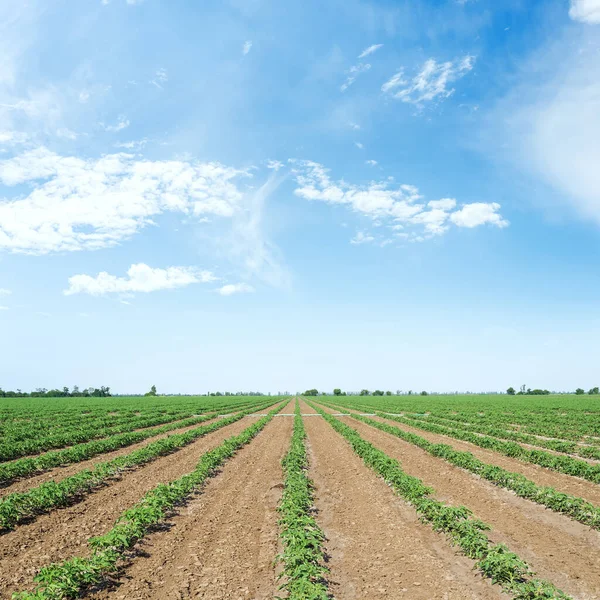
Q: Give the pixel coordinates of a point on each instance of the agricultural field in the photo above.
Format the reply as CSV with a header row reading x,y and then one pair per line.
x,y
262,497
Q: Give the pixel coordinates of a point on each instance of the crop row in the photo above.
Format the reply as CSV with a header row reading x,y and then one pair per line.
x,y
70,578
565,447
303,556
577,508
19,506
554,462
28,466
494,561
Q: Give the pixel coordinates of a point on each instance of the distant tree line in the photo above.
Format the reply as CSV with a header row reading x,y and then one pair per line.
x,y
101,392
523,391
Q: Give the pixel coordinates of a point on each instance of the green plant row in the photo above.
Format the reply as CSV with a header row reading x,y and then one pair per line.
x,y
26,467
495,561
17,507
70,578
562,464
10,449
577,508
566,447
303,556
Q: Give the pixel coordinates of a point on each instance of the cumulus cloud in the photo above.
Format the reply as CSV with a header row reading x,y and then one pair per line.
x,y
398,207
86,204
586,11
140,278
370,50
430,83
235,288
478,213
353,73
246,47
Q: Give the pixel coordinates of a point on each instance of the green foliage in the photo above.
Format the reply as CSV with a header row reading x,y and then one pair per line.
x,y
312,392
594,391
579,391
424,393
152,391
303,556
377,393
365,393
510,391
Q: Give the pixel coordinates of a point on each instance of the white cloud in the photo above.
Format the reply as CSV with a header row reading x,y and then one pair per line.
x,y
353,73
275,165
84,96
358,145
478,213
247,47
370,50
235,288
86,204
397,208
140,278
13,137
66,133
133,145
586,11
160,77
362,238
371,162
548,125
3,307
430,83
121,124
443,204
354,126
5,292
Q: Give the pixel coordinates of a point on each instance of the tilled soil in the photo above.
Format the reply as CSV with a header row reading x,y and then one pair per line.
x,y
223,544
558,549
564,483
377,546
63,533
59,473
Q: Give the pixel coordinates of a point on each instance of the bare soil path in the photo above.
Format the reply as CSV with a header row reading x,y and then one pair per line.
x,y
223,544
378,548
63,533
557,548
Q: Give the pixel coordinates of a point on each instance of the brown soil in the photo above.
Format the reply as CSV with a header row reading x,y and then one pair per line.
x,y
378,548
540,475
223,544
558,549
58,473
63,533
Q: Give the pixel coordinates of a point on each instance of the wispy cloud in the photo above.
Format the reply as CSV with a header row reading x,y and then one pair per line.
x,y
586,11
235,288
4,307
359,145
5,292
354,126
133,145
370,50
430,83
362,238
275,165
478,213
371,162
140,278
160,77
353,73
246,47
122,123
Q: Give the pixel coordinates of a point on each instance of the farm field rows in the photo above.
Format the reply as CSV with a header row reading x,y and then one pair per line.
x,y
305,498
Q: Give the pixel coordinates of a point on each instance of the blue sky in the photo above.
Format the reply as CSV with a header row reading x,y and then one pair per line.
x,y
251,194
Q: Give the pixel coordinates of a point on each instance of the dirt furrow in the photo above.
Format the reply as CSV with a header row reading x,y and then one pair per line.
x,y
558,549
378,548
568,484
59,473
222,545
63,533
